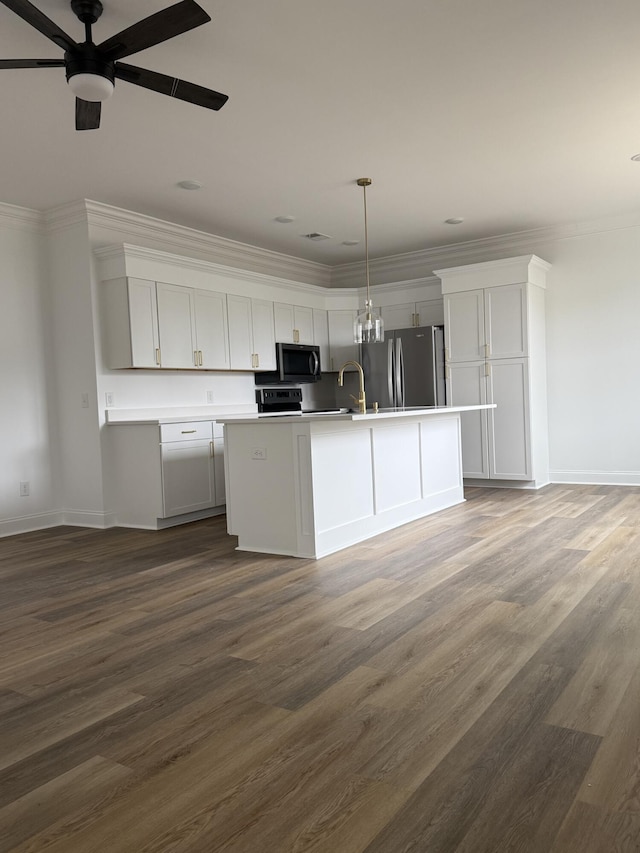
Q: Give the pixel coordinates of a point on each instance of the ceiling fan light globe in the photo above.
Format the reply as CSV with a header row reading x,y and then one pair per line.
x,y
91,87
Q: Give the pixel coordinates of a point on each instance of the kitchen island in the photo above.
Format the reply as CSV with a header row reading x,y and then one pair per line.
x,y
309,485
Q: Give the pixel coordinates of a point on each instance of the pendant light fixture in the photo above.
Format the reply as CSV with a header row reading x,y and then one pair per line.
x,y
368,327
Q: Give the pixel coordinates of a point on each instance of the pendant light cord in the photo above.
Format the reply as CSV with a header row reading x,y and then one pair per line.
x,y
366,240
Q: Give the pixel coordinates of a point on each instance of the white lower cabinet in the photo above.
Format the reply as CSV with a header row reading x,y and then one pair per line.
x,y
188,476
496,443
166,471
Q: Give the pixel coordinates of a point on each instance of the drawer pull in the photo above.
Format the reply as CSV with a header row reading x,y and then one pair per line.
x,y
188,431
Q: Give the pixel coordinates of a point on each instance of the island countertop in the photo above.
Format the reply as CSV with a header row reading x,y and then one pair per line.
x,y
381,414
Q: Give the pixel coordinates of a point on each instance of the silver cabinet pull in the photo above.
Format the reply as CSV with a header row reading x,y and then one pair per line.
x,y
195,358
200,358
158,355
187,431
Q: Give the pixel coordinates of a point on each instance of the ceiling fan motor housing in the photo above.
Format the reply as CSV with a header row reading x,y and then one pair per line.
x,y
86,59
88,11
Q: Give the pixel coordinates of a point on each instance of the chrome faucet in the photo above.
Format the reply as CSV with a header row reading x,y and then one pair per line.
x,y
361,400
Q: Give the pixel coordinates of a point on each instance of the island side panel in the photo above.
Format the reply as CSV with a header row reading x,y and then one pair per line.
x,y
261,493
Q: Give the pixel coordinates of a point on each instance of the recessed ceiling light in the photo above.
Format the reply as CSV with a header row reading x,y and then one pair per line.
x,y
189,185
285,219
636,157
454,220
350,242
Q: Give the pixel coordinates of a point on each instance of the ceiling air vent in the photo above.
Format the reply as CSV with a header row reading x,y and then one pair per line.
x,y
316,235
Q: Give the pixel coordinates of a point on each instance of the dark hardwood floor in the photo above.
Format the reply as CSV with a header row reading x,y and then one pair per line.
x,y
468,683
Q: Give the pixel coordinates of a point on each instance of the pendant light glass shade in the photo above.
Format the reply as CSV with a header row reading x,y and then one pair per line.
x,y
368,327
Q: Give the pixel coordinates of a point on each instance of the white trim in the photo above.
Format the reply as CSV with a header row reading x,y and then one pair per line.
x,y
21,218
29,523
597,478
210,247
100,520
115,262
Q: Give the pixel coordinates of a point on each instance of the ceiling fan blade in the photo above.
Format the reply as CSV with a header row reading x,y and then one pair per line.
x,y
157,28
87,114
31,63
28,12
170,86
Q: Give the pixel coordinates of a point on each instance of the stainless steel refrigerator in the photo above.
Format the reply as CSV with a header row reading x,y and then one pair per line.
x,y
407,369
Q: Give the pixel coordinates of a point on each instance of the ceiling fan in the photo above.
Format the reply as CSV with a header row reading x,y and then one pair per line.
x,y
93,69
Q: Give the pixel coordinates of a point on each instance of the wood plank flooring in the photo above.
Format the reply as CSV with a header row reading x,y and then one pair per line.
x,y
468,683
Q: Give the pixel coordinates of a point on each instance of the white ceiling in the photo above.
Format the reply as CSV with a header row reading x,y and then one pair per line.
x,y
513,114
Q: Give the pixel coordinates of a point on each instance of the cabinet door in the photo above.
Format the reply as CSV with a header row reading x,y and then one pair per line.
x,y
398,316
264,338
284,322
212,335
505,310
321,336
187,477
303,324
240,333
143,320
430,313
466,386
341,343
509,423
464,325
176,326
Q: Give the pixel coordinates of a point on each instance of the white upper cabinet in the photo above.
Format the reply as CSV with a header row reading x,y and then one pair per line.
x,y
293,323
430,312
505,313
252,342
192,328
212,330
342,346
176,326
464,325
130,323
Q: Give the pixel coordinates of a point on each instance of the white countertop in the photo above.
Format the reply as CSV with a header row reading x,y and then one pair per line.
x,y
178,414
381,414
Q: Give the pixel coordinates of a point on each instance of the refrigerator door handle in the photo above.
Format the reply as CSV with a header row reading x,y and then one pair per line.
x,y
390,372
399,373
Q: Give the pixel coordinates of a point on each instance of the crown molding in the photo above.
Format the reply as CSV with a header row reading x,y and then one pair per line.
x,y
208,247
414,265
21,218
113,264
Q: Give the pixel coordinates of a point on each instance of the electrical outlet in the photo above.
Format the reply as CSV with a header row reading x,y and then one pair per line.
x,y
258,452
209,396
85,400
109,399
24,489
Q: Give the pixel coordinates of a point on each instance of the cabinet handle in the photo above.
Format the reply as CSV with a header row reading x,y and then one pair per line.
x,y
195,358
200,358
447,356
417,320
157,355
211,449
257,359
487,369
187,431
487,351
296,336
447,372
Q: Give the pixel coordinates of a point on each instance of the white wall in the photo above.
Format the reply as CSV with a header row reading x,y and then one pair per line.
x,y
593,357
25,425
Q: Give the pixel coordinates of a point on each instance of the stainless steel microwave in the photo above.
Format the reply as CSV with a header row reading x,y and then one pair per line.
x,y
295,363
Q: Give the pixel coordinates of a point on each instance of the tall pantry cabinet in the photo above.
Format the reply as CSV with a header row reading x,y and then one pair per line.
x,y
495,353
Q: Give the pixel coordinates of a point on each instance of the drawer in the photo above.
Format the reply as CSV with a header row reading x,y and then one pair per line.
x,y
186,430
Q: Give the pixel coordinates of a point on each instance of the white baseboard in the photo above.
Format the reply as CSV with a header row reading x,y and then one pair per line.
x,y
596,478
29,523
100,520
